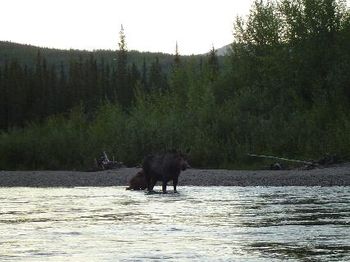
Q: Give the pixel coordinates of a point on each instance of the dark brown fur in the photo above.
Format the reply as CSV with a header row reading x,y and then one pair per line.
x,y
138,181
164,167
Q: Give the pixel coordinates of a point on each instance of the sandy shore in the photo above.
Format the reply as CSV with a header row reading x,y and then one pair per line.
x,y
333,176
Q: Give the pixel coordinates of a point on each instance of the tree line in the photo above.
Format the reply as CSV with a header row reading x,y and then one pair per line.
x,y
283,90
33,93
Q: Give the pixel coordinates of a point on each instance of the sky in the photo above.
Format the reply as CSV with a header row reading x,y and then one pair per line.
x,y
149,25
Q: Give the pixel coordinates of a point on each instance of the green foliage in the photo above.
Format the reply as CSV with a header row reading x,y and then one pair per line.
x,y
124,89
58,144
287,77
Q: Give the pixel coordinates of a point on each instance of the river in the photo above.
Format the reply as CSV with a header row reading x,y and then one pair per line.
x,y
197,224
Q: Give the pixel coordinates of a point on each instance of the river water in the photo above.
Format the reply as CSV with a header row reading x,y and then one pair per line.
x,y
198,224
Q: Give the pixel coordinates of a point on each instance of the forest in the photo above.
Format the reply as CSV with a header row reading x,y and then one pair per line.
x,y
283,89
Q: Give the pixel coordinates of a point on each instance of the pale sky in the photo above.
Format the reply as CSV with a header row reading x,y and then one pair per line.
x,y
150,25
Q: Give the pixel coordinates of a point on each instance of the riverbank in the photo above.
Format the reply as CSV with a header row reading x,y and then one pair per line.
x,y
331,176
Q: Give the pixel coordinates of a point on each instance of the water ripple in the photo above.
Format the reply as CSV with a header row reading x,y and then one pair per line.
x,y
199,224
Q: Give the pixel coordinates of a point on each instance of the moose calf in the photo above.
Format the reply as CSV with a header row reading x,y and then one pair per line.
x,y
138,182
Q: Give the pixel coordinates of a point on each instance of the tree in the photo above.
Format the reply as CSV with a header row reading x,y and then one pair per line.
x,y
262,28
157,80
4,121
134,77
213,64
124,90
3,118
177,60
144,79
93,92
62,90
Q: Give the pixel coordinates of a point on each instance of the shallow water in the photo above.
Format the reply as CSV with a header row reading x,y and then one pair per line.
x,y
198,224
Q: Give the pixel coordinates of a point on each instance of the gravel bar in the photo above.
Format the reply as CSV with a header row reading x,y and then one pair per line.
x,y
331,176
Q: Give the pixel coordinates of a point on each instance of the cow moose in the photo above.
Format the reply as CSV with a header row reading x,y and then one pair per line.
x,y
164,167
138,182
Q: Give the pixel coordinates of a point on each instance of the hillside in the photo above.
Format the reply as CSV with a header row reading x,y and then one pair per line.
x,y
27,54
222,51
38,82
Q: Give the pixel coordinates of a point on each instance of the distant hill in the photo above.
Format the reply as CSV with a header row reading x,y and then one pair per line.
x,y
222,51
27,54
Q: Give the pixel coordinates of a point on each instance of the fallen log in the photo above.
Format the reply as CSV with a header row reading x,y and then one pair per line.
x,y
283,159
104,163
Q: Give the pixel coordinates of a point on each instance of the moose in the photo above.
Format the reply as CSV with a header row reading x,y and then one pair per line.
x,y
164,167
138,182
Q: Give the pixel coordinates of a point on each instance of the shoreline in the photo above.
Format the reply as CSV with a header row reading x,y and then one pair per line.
x,y
330,176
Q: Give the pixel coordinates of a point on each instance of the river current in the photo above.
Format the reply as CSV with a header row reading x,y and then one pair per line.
x,y
197,224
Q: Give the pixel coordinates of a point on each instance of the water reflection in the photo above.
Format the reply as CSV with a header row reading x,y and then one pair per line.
x,y
199,224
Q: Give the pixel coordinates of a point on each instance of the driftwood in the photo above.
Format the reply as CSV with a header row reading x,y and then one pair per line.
x,y
283,159
104,163
327,160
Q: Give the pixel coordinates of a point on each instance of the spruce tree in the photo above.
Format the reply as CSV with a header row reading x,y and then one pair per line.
x,y
35,94
144,81
61,89
3,98
213,64
177,60
134,75
157,80
124,90
54,94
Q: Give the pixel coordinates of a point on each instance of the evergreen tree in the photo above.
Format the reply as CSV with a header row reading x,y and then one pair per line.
x,y
3,121
124,90
134,76
62,89
177,59
157,80
108,84
36,95
178,78
55,94
46,92
93,89
144,80
213,64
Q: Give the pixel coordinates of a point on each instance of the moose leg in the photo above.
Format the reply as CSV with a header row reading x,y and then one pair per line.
x,y
164,186
175,180
150,185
